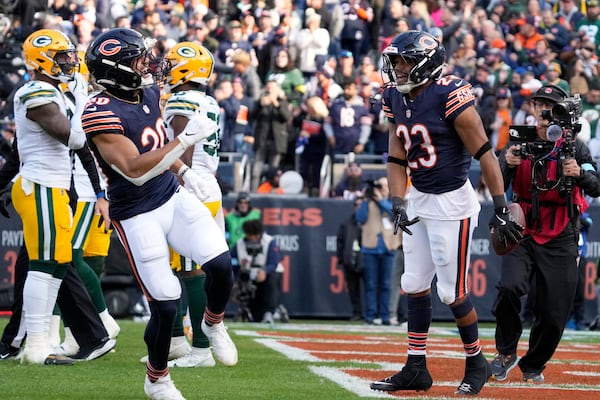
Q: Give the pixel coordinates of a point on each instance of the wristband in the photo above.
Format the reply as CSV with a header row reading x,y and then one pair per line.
x,y
101,195
499,201
182,171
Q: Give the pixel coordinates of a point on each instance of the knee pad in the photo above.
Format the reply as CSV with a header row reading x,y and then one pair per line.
x,y
413,284
446,295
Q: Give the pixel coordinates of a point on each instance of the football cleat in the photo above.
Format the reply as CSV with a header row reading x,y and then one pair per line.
x,y
222,345
414,376
477,373
197,357
162,389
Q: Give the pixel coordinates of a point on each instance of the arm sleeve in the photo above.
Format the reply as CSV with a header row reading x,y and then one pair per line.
x,y
89,164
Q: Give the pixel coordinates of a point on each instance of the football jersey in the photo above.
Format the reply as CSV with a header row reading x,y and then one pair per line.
x,y
83,184
436,155
44,159
142,123
205,159
346,118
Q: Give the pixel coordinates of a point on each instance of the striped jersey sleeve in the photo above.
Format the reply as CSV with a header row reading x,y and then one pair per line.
x,y
459,98
38,93
96,120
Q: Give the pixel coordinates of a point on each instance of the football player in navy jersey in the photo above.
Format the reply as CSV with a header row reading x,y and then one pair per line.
x,y
149,211
434,132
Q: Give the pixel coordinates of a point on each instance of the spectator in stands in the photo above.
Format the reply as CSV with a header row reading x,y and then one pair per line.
x,y
270,115
578,82
235,106
322,85
313,141
351,260
176,27
568,14
345,70
149,6
591,107
503,119
349,123
332,20
351,186
358,14
262,41
590,24
313,43
235,40
243,69
270,183
553,73
553,32
369,70
288,77
378,246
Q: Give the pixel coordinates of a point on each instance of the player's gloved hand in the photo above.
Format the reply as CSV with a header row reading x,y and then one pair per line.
x,y
401,220
78,86
193,183
508,231
198,128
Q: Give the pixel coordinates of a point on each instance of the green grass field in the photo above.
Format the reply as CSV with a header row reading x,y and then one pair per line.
x,y
260,374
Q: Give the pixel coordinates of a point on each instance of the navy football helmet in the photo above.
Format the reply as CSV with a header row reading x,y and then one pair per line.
x,y
418,48
111,56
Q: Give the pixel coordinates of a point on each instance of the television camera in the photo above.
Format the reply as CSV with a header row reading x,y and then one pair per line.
x,y
560,144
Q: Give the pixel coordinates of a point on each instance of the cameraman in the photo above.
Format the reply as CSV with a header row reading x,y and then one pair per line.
x,y
378,246
258,254
545,182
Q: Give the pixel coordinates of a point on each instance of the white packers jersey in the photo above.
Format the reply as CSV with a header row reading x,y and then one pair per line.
x,y
44,159
83,185
205,159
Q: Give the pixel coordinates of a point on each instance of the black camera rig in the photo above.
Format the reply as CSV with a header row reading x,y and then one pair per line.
x,y
560,144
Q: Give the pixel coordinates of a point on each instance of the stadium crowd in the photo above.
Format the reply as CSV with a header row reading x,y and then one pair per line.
x,y
330,49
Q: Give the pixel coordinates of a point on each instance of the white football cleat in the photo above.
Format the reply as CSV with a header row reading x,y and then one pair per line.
x,y
179,348
222,344
197,357
162,389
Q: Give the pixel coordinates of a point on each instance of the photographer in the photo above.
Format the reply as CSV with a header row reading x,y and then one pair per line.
x,y
259,260
378,246
548,180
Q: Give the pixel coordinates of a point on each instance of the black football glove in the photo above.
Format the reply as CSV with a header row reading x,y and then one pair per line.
x,y
508,230
401,220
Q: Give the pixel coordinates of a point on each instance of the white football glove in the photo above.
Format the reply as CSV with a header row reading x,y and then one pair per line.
x,y
79,88
193,183
198,128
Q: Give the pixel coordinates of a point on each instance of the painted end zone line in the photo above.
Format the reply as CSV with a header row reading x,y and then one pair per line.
x,y
360,387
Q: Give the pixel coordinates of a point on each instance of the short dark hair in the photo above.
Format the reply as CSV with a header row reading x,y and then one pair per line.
x,y
253,227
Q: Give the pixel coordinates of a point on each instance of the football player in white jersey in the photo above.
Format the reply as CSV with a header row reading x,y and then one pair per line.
x,y
45,136
90,188
189,69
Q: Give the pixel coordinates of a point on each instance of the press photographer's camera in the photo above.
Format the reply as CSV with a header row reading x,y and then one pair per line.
x,y
253,248
566,113
372,185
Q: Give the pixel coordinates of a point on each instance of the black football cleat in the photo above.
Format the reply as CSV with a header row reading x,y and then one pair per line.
x,y
414,376
54,359
92,353
477,373
7,351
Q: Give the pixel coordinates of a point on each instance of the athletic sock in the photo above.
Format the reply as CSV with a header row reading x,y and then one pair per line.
x,y
194,285
419,320
469,333
90,280
96,263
